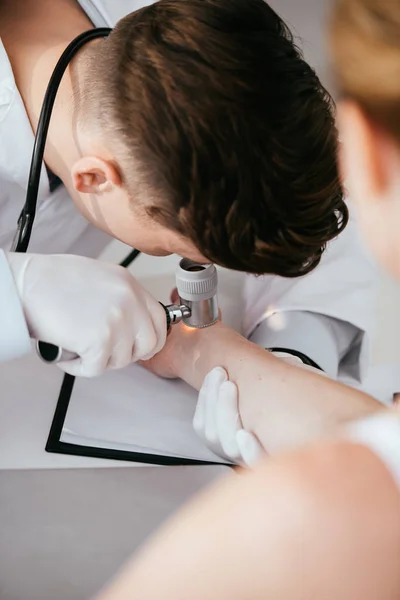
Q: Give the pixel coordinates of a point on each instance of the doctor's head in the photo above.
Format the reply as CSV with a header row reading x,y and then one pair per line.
x,y
204,132
366,45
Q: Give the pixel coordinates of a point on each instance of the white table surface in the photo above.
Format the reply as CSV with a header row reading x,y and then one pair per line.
x,y
28,398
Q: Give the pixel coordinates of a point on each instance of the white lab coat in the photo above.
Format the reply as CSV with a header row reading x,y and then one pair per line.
x,y
343,286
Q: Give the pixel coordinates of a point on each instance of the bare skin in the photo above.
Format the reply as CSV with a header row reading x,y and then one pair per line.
x,y
258,535
283,405
321,523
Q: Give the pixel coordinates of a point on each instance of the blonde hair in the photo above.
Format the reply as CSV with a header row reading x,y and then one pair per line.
x,y
365,38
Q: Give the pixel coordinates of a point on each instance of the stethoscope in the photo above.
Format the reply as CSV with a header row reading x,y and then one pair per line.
x,y
48,352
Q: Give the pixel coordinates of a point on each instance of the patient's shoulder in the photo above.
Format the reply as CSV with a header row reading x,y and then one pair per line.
x,y
333,510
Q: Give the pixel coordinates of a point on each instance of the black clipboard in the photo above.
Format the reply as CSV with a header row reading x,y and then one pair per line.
x,y
56,446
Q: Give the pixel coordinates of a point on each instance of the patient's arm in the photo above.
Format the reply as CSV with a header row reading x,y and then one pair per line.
x,y
283,405
321,523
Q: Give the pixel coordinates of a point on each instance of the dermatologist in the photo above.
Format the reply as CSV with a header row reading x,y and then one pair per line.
x,y
145,164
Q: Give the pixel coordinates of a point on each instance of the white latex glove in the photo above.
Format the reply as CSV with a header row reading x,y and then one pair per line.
x,y
94,309
217,420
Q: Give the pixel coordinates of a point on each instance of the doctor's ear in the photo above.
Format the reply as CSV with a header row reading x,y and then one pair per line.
x,y
91,175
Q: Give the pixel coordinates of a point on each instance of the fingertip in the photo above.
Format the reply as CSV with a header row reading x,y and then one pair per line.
x,y
144,358
243,437
145,345
250,448
161,331
77,369
211,434
229,389
217,376
230,448
197,423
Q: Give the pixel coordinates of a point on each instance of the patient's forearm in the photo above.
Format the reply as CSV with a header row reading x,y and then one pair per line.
x,y
282,404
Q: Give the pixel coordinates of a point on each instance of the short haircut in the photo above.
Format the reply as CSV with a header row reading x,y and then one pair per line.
x,y
227,130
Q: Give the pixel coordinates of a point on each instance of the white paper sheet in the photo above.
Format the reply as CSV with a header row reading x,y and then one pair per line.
x,y
136,411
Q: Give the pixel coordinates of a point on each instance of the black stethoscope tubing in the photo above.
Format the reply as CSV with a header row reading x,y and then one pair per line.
x,y
28,213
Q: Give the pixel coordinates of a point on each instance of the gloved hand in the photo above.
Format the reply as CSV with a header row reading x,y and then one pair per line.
x,y
217,419
94,309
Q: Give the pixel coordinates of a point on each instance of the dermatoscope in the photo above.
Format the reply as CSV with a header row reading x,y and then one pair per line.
x,y
198,306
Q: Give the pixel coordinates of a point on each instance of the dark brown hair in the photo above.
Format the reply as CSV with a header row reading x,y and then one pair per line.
x,y
366,45
231,132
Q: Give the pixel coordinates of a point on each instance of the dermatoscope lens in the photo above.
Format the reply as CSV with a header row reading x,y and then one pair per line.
x,y
197,289
195,268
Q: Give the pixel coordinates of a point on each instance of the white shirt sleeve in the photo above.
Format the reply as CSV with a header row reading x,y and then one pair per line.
x,y
381,434
343,287
323,339
14,335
